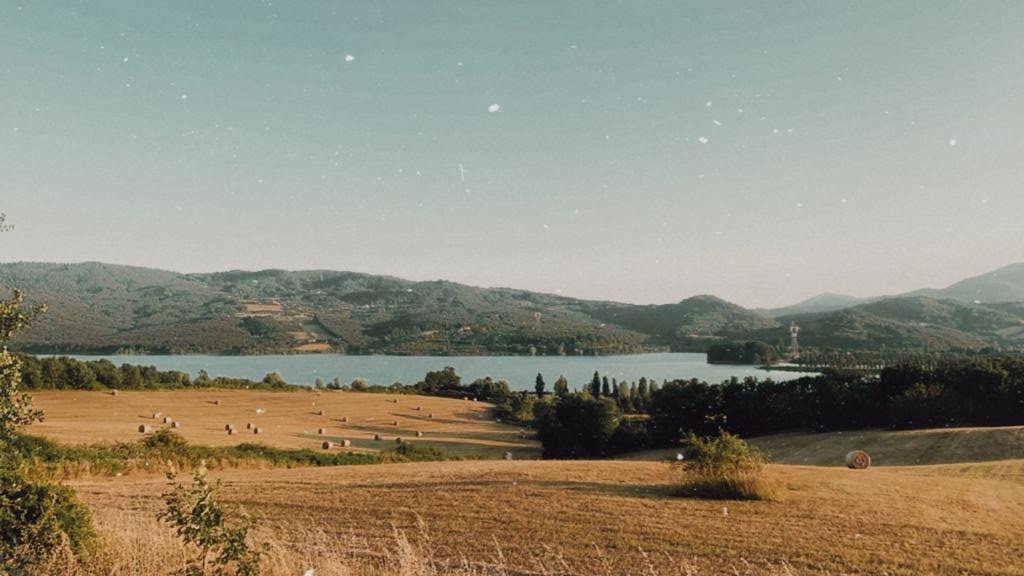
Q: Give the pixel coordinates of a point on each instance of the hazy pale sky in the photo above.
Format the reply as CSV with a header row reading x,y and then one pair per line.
x,y
634,151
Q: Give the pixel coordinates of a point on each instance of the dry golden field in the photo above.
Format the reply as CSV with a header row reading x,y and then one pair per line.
x,y
289,419
609,517
552,517
887,447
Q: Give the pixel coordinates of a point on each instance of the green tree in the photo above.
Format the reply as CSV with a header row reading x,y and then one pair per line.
x,y
217,537
4,227
35,517
595,385
561,386
539,385
15,408
606,389
576,426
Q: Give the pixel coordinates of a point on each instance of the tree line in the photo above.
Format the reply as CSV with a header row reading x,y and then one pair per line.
x,y
963,392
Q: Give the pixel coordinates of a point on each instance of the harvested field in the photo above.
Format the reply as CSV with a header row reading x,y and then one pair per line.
x,y
289,420
886,447
610,518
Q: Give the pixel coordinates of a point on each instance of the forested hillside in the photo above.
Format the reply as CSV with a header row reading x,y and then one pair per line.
x,y
102,308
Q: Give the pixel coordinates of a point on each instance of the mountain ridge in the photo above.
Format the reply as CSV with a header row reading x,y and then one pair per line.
x,y
104,308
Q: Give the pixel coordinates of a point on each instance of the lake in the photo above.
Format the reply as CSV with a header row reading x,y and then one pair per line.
x,y
519,371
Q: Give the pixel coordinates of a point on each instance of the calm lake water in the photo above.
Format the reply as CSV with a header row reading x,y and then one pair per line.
x,y
519,371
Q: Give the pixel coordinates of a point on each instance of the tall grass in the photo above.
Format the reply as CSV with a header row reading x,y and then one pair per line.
x,y
139,545
724,467
47,459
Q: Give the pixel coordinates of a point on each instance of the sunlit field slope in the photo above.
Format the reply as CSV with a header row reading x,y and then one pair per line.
x,y
287,420
610,517
886,447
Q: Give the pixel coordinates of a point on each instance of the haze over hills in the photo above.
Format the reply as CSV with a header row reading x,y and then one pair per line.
x,y
1003,285
102,308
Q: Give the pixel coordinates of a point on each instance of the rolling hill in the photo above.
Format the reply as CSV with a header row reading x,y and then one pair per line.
x,y
103,308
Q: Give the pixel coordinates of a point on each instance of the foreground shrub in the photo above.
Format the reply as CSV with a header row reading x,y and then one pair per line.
x,y
724,467
37,518
218,538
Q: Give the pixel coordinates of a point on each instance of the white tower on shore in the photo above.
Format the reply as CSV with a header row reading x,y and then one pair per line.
x,y
794,345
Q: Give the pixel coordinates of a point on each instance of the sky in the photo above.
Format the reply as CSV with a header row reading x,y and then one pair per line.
x,y
634,151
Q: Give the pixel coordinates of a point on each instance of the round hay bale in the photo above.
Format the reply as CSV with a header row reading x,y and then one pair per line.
x,y
345,419
398,440
229,426
231,432
175,424
394,400
167,420
376,437
419,434
145,429
158,415
346,443
430,415
418,408
327,445
248,425
319,412
216,402
394,422
257,430
113,392
321,431
508,455
858,460
260,410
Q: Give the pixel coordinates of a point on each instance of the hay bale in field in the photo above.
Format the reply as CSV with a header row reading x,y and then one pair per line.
x,y
248,425
319,412
394,400
229,426
419,434
430,415
113,392
175,424
217,402
260,410
257,430
157,415
508,455
377,437
346,443
345,419
418,408
145,429
321,431
327,445
394,422
167,419
231,432
858,460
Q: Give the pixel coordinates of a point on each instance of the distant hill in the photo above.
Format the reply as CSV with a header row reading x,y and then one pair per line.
x,y
1003,285
688,325
103,308
826,302
912,322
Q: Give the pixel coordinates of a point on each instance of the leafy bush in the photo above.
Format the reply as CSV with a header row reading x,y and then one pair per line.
x,y
36,518
724,467
218,538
